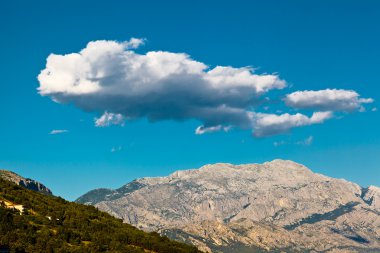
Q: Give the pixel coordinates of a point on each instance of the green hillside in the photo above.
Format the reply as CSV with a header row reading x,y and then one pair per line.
x,y
52,224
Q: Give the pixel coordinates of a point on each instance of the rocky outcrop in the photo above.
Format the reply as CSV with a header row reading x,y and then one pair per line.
x,y
278,205
24,182
371,196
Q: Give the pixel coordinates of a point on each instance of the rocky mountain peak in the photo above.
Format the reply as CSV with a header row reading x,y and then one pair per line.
x,y
221,207
371,196
24,182
275,168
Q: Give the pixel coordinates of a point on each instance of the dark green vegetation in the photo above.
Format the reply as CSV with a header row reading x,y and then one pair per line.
x,y
51,224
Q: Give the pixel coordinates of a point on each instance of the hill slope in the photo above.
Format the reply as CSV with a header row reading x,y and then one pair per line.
x,y
51,224
278,205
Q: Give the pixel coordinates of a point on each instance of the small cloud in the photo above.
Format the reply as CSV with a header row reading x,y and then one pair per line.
x,y
307,142
108,119
58,131
374,109
202,129
327,100
116,149
272,124
134,43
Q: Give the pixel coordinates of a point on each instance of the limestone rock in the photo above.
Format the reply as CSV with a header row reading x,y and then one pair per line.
x,y
276,206
24,182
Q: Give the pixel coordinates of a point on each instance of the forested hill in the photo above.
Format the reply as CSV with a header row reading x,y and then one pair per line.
x,y
52,224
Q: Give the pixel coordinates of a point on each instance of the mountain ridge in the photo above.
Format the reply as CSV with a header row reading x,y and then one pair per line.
x,y
25,182
281,194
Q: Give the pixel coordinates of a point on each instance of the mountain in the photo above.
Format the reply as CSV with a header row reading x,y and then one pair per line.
x,y
35,222
276,206
25,182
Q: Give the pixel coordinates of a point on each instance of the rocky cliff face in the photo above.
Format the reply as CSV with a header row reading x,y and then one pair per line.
x,y
25,182
275,206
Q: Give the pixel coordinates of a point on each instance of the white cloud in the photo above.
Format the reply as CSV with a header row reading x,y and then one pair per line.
x,y
58,131
202,129
107,76
271,124
113,80
108,119
327,100
374,109
133,43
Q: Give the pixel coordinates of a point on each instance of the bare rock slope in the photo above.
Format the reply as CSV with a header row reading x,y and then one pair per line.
x,y
25,182
276,206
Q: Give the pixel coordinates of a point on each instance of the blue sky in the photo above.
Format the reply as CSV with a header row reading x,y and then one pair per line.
x,y
312,45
